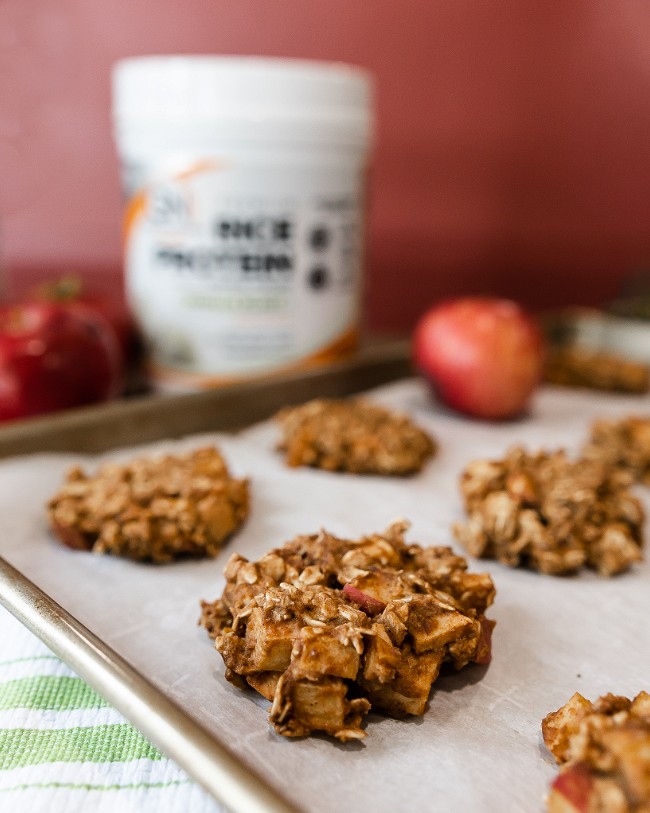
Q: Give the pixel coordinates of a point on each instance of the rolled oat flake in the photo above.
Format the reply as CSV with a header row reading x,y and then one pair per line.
x,y
244,180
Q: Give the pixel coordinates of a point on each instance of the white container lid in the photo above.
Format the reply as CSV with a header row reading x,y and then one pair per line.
x,y
255,97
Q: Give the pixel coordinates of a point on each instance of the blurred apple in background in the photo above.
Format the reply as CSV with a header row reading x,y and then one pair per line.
x,y
55,356
110,304
483,356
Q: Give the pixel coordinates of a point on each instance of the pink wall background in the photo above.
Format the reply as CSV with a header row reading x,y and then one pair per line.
x,y
513,146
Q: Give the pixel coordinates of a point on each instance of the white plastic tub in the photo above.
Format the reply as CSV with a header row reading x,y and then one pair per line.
x,y
244,181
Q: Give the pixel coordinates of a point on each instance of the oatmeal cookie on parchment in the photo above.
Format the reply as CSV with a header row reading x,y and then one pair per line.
x,y
152,509
327,628
604,752
550,513
353,436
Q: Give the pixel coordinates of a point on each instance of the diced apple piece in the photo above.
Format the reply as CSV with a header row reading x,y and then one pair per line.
x,y
269,645
382,659
434,625
320,653
484,647
571,791
369,604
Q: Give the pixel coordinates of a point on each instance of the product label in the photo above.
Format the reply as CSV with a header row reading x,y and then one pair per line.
x,y
233,270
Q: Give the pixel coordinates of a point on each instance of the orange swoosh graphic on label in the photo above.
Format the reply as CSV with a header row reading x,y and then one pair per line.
x,y
136,206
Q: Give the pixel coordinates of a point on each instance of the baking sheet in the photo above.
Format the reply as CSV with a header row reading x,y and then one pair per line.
x,y
478,746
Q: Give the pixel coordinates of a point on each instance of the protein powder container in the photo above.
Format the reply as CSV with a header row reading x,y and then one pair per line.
x,y
243,229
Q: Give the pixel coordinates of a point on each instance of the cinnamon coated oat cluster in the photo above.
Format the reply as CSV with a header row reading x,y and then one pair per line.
x,y
551,513
328,628
604,750
152,509
353,436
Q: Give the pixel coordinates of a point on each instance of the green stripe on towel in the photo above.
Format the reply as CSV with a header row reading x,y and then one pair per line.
x,y
103,743
30,658
72,786
49,692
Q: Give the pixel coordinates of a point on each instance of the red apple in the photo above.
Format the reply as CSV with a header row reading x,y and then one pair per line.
x,y
483,356
72,288
571,792
369,604
54,357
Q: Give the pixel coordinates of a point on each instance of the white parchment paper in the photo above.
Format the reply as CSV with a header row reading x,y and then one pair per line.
x,y
478,747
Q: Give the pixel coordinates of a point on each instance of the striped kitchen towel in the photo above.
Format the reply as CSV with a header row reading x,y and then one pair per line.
x,y
64,749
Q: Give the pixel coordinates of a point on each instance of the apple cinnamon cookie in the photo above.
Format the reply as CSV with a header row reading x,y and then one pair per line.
x,y
624,443
151,509
353,436
550,513
328,628
603,749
